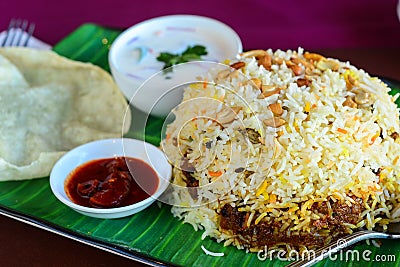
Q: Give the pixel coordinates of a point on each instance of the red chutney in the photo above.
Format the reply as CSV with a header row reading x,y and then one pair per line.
x,y
111,182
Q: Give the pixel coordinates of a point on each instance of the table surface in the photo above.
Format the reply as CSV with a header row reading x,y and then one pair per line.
x,y
260,24
26,245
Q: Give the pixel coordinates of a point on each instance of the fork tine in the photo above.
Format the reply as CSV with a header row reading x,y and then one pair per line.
x,y
8,33
20,33
30,33
14,31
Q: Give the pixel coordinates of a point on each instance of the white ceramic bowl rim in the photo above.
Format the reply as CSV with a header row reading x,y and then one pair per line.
x,y
160,189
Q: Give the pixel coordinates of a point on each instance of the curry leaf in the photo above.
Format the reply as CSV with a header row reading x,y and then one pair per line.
x,y
191,53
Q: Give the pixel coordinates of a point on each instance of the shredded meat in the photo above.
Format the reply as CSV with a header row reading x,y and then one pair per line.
x,y
270,233
341,213
395,135
191,182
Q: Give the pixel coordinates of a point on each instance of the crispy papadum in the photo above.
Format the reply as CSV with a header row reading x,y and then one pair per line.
x,y
49,105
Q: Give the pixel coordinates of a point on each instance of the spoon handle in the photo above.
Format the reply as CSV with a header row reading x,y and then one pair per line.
x,y
318,255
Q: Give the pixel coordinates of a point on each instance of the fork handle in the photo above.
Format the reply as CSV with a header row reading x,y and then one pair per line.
x,y
330,249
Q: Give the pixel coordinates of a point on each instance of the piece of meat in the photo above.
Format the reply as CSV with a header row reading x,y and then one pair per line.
x,y
270,233
112,191
191,182
88,188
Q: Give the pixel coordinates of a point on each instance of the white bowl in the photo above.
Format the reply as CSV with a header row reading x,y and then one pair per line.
x,y
133,54
108,148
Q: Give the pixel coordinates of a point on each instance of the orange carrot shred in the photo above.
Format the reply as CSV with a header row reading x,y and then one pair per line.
x,y
205,84
373,139
215,174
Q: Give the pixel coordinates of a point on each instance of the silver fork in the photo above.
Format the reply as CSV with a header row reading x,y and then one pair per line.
x,y
18,33
393,232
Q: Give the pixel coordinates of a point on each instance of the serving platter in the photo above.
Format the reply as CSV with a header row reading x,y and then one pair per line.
x,y
152,236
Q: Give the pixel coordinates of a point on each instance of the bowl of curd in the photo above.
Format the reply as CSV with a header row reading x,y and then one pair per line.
x,y
134,63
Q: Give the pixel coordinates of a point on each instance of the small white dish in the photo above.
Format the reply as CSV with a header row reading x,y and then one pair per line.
x,y
133,57
109,148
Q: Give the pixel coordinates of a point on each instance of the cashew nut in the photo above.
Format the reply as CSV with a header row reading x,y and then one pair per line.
x,y
274,122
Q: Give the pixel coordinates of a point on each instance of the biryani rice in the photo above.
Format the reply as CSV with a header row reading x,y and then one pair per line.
x,y
331,168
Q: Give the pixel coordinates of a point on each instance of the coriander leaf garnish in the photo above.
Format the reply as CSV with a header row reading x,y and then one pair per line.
x,y
191,53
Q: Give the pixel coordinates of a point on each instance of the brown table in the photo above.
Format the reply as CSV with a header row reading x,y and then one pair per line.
x,y
25,245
